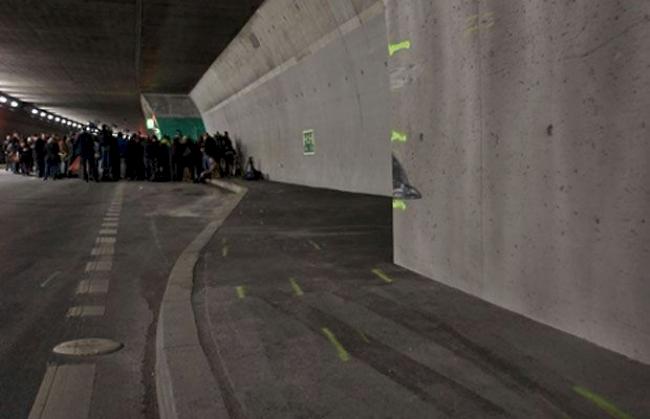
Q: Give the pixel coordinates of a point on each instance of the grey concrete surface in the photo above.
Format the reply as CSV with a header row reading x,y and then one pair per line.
x,y
185,386
303,65
528,138
167,105
48,232
90,60
292,261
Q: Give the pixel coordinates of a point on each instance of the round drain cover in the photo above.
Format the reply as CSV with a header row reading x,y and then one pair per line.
x,y
88,347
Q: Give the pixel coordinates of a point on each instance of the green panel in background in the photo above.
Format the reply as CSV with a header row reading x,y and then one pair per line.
x,y
192,127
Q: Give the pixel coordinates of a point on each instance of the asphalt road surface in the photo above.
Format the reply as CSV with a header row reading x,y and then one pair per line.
x,y
82,260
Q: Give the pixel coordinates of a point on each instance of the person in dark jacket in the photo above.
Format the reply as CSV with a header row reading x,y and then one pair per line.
x,y
164,160
52,159
26,157
229,154
86,148
39,155
151,158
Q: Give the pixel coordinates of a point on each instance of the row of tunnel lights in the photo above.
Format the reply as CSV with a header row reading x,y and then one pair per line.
x,y
13,103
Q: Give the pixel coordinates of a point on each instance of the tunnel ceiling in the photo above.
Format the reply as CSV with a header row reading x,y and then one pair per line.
x,y
90,60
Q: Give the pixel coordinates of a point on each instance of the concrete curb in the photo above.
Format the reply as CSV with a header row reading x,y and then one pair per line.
x,y
230,186
185,386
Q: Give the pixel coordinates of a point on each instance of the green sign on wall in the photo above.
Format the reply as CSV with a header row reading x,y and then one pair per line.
x,y
308,142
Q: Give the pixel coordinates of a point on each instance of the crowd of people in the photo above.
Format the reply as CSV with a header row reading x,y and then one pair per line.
x,y
110,157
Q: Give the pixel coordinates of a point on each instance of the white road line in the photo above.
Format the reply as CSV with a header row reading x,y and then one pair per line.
x,y
99,266
103,250
93,286
65,392
50,278
86,311
105,240
108,232
109,225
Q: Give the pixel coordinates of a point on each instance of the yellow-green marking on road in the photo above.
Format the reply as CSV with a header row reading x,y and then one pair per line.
x,y
342,353
225,251
602,403
383,276
296,288
394,48
241,292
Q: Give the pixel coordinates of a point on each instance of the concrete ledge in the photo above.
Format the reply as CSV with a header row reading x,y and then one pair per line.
x,y
227,185
185,386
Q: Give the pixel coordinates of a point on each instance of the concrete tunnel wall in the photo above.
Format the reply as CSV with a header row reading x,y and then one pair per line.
x,y
301,65
529,139
523,124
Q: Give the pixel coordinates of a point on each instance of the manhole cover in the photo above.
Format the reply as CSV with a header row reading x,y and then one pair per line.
x,y
87,347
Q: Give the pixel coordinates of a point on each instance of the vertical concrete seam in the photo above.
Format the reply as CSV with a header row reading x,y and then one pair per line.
x,y
481,146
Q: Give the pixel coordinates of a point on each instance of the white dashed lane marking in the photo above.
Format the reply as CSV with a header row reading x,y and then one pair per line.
x,y
86,311
105,240
93,286
99,266
103,250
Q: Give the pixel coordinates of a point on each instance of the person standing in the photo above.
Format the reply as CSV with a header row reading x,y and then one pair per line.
x,y
86,145
52,159
39,155
64,153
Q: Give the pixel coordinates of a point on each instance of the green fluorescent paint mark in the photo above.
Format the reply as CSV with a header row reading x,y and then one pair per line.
x,y
343,354
383,276
296,288
394,48
399,204
398,137
225,251
241,292
363,336
604,404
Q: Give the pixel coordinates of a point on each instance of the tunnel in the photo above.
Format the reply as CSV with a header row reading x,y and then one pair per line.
x,y
437,208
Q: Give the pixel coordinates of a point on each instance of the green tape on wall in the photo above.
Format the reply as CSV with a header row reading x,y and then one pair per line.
x,y
192,127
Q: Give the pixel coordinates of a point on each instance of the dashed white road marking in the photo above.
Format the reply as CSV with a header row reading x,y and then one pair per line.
x,y
105,240
108,232
109,225
99,266
86,311
65,392
103,250
93,286
50,278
